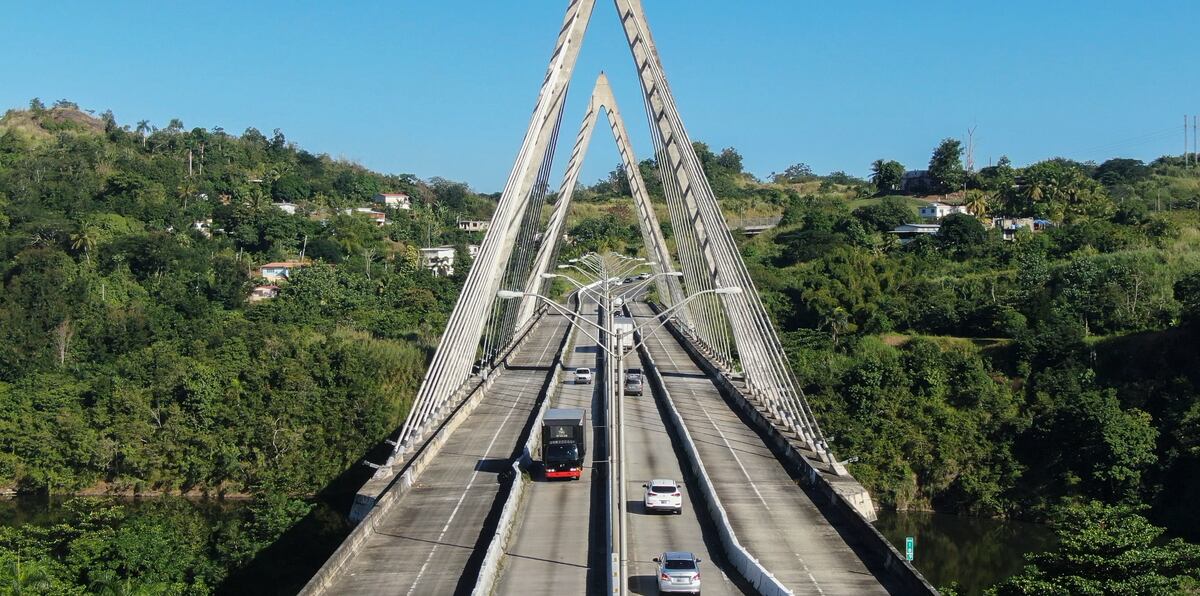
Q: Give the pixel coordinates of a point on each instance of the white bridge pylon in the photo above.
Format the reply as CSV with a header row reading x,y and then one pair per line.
x,y
733,330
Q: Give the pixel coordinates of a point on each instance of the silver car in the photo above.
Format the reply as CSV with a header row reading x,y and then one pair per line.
x,y
678,572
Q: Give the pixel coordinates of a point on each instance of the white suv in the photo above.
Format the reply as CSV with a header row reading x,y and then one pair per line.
x,y
583,376
663,495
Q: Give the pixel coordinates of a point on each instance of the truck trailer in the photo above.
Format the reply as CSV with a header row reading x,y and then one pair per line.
x,y
564,442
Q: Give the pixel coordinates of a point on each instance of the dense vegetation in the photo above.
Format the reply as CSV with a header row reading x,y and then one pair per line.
x,y
131,361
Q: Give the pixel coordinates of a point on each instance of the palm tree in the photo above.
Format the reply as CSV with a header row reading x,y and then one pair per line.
x,y
16,578
84,240
142,128
977,204
877,171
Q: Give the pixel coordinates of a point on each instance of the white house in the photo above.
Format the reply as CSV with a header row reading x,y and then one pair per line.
x,y
439,260
936,211
394,200
288,208
473,225
473,250
281,270
909,232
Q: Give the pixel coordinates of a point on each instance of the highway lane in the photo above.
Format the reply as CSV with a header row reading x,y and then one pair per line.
x,y
650,453
433,540
558,546
774,519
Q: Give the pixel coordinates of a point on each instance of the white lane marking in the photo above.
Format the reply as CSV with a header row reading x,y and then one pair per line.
x,y
461,498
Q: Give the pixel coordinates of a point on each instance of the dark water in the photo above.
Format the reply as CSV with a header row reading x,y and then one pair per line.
x,y
976,553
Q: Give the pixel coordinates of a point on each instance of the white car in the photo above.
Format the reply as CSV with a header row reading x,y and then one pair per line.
x,y
583,376
663,495
678,572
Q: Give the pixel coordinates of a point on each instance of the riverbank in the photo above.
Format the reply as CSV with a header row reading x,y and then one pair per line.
x,y
974,553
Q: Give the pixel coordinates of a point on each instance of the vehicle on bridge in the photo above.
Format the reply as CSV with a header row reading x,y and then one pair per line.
x,y
583,376
678,572
623,327
633,386
662,495
633,381
564,442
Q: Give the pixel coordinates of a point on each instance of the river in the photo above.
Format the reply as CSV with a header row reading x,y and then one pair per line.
x,y
976,553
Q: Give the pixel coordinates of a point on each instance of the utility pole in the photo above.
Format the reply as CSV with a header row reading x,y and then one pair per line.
x,y
1185,147
1194,154
971,148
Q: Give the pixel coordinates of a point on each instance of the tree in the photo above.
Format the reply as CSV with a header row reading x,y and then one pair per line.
x,y
794,173
885,215
961,233
84,240
1121,171
36,106
977,203
886,175
1107,550
946,167
143,127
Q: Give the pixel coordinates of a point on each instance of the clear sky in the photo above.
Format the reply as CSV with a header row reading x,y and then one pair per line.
x,y
445,88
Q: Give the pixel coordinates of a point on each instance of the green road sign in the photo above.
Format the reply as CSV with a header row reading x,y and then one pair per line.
x,y
908,548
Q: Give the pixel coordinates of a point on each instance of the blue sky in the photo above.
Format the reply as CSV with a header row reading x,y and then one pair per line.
x,y
446,88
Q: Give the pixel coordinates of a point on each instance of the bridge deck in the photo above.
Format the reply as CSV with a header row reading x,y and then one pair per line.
x,y
558,546
774,519
650,453
436,531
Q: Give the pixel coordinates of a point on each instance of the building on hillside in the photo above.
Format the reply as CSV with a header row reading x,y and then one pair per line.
x,y
1010,225
379,217
394,200
909,232
263,292
439,260
917,182
204,226
936,211
281,271
474,225
473,250
288,208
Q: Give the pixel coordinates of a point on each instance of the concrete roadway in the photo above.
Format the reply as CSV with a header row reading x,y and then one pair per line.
x,y
433,540
558,546
650,453
774,519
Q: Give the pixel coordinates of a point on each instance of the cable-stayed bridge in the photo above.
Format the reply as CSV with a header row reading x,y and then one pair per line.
x,y
459,506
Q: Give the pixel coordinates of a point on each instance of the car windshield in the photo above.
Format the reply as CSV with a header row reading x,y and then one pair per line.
x,y
584,371
662,488
680,565
562,452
